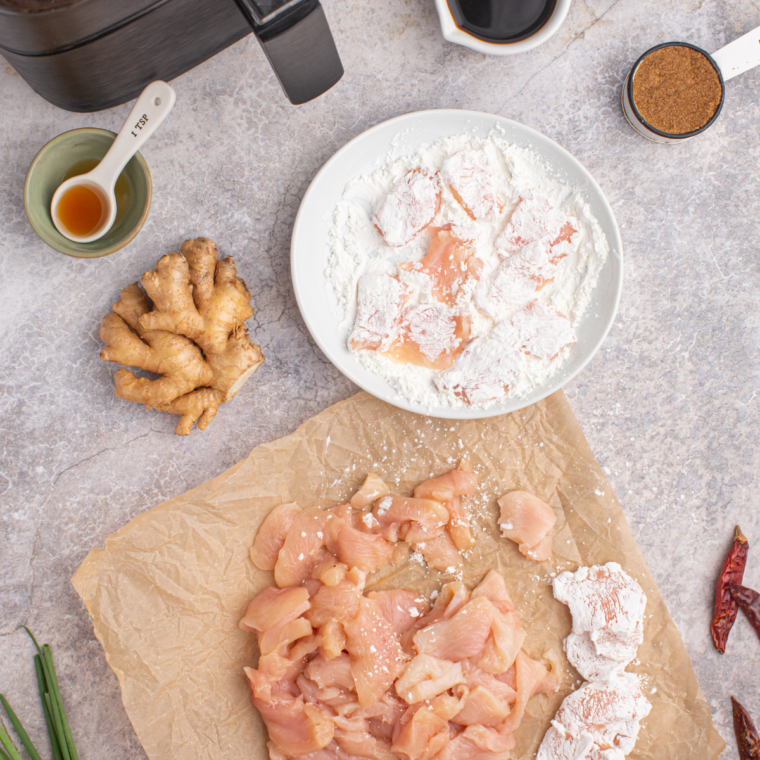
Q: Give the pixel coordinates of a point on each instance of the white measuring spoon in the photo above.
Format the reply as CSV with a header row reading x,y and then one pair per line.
x,y
740,55
151,108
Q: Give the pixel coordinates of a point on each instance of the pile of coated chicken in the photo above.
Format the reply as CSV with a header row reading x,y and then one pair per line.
x,y
345,675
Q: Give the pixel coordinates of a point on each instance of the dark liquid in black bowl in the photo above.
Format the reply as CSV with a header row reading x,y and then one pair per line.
x,y
501,20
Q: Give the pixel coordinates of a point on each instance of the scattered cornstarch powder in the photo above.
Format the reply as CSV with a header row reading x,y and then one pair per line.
x,y
676,89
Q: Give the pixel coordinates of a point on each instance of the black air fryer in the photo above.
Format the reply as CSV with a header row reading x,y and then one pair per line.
x,y
86,55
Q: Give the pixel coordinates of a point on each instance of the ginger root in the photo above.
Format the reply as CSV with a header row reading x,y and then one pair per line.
x,y
194,336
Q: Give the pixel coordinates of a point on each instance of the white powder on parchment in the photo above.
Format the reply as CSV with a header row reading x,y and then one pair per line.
x,y
357,248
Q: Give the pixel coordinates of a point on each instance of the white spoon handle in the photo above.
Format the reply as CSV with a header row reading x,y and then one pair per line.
x,y
740,55
151,108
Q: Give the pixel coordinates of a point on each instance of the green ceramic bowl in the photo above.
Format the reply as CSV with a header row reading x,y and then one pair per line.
x,y
51,166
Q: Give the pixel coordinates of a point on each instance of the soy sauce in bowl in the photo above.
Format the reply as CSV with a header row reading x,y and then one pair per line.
x,y
501,20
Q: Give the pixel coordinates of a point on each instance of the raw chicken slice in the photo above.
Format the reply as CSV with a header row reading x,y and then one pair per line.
x,y
462,636
495,684
514,282
392,511
275,677
414,532
376,655
329,570
430,335
380,302
295,727
493,588
280,637
372,490
532,677
446,487
502,646
271,536
362,744
364,551
459,525
537,330
409,207
534,219
527,520
440,553
304,646
599,720
400,608
470,178
339,602
300,552
481,706
274,607
423,737
479,743
426,677
332,640
449,263
483,372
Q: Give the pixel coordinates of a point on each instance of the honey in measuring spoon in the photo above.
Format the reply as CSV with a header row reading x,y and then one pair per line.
x,y
80,208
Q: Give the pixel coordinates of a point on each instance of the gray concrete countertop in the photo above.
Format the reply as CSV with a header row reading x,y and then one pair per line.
x,y
670,405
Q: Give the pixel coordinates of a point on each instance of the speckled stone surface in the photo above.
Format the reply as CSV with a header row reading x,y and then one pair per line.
x,y
670,405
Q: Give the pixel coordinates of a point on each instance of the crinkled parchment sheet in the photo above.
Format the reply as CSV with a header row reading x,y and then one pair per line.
x,y
168,589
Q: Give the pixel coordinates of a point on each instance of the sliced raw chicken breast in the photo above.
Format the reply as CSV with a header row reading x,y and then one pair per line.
x,y
393,511
532,678
462,636
332,640
449,263
300,552
376,655
514,282
295,727
527,520
402,609
440,553
373,489
483,372
492,587
423,737
446,487
479,743
380,302
361,550
502,646
430,335
339,602
409,207
537,330
426,677
273,607
534,219
281,636
271,536
481,706
470,178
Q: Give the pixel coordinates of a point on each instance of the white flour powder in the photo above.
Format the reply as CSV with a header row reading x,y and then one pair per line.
x,y
357,248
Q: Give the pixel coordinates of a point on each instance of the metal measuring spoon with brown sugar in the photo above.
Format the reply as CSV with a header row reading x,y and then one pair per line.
x,y
676,90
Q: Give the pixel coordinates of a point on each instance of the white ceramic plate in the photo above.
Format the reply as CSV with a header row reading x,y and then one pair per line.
x,y
310,251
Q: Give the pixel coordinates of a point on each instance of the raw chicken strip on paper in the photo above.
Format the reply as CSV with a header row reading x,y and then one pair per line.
x,y
537,330
599,721
535,219
381,299
484,371
515,281
527,520
409,207
470,178
447,266
430,335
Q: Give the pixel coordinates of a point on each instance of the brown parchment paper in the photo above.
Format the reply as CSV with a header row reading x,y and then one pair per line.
x,y
168,589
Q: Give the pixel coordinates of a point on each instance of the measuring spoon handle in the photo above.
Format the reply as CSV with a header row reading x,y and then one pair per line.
x,y
150,109
740,55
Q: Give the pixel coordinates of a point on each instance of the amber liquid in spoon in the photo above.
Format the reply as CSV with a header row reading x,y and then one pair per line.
x,y
80,209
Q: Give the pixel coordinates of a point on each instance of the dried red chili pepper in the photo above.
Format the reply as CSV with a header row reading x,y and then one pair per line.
x,y
747,737
749,601
725,607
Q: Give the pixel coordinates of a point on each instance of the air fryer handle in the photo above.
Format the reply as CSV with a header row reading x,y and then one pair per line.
x,y
300,48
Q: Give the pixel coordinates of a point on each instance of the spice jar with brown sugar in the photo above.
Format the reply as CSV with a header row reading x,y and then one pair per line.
x,y
673,92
